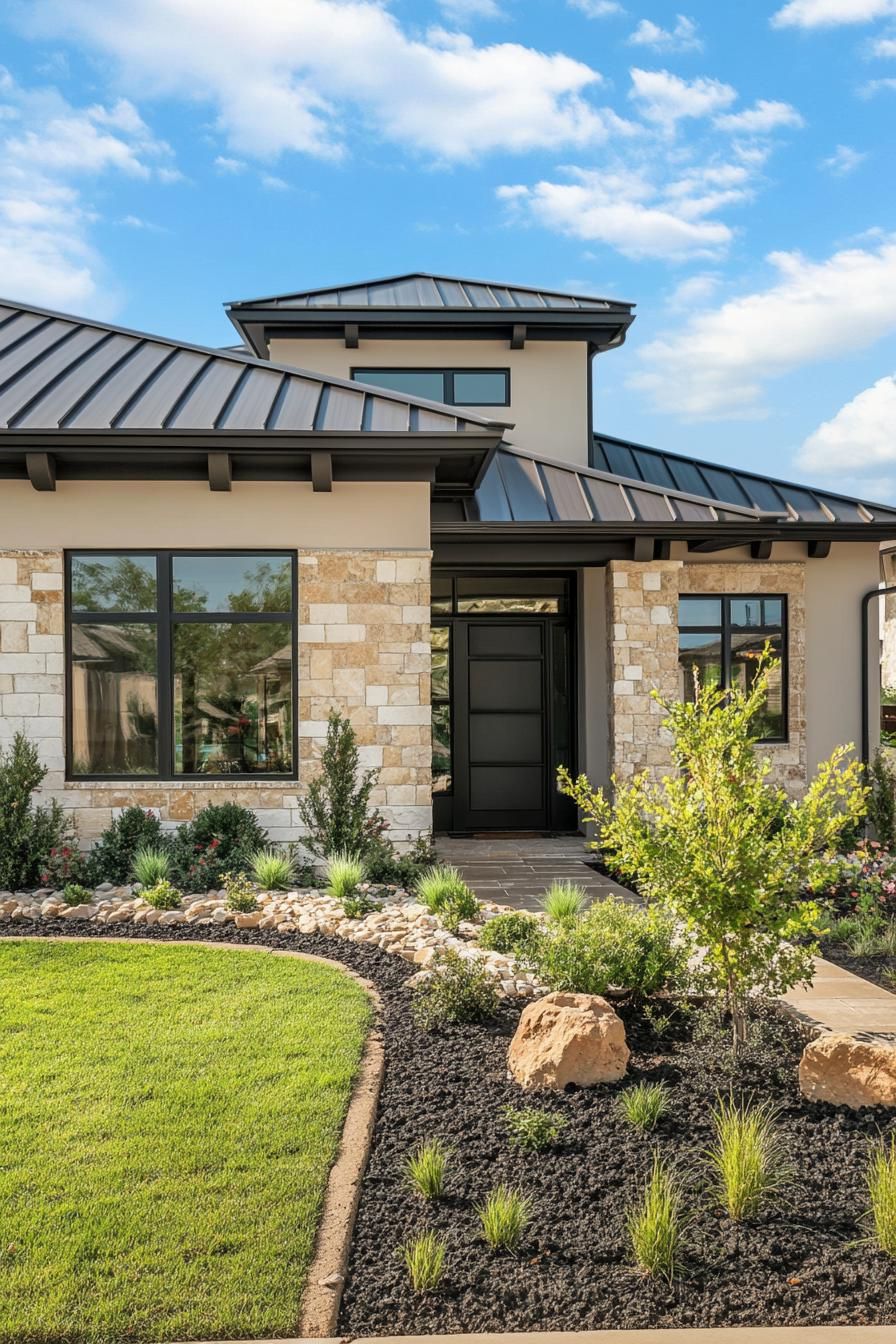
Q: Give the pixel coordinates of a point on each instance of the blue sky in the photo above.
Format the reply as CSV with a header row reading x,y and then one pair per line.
x,y
729,166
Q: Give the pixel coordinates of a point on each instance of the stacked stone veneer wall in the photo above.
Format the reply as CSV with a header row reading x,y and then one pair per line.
x,y
363,649
642,628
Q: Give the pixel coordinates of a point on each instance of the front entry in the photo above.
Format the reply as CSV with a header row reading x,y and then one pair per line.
x,y
502,702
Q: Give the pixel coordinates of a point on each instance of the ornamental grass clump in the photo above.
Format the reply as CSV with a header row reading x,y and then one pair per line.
x,y
746,1161
531,1129
345,873
729,854
505,1214
881,1180
644,1105
656,1225
424,1258
151,864
425,1169
163,895
444,893
271,868
564,902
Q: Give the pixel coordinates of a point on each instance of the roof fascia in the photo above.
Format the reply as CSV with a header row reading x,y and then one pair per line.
x,y
738,533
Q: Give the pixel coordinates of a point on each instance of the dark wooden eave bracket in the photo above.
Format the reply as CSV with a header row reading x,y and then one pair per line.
x,y
818,550
518,336
321,472
220,474
352,335
41,468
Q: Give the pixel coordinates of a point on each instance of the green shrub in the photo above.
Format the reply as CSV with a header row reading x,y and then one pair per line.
x,y
881,1180
644,1104
73,893
239,893
218,840
151,862
444,893
746,1159
504,1214
272,868
881,779
656,1226
345,873
459,992
336,807
424,1257
360,904
425,1169
112,857
29,833
615,945
511,933
564,902
386,865
532,1129
163,895
729,854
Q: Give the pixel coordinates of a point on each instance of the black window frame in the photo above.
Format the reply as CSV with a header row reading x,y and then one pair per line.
x,y
725,629
447,375
165,619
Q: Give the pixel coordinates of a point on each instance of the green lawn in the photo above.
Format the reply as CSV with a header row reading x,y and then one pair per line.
x,y
168,1117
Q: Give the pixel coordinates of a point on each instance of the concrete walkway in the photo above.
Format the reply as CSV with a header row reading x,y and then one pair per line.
x,y
837,1000
515,870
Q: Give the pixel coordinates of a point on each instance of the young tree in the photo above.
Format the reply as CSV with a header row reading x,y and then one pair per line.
x,y
730,854
336,808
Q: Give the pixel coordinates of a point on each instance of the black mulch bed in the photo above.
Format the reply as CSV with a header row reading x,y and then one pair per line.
x,y
874,968
799,1264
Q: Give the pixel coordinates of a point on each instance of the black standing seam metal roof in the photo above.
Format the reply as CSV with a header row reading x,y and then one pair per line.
x,y
732,486
520,487
421,289
59,372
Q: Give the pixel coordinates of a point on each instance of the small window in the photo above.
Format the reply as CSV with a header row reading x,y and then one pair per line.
x,y
181,665
454,387
721,639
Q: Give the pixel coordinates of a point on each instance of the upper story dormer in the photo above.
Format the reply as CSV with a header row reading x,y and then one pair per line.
x,y
507,351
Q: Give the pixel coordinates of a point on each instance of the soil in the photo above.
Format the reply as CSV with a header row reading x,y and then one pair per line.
x,y
801,1262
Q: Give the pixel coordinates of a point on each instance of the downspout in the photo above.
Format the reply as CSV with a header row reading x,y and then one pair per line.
x,y
868,598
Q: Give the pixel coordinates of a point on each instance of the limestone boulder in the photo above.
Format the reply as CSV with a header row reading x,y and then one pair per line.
x,y
847,1071
565,1039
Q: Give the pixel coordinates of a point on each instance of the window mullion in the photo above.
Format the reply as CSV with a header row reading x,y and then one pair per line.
x,y
166,663
726,643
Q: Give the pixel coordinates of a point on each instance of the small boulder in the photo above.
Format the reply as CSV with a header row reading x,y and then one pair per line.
x,y
846,1071
568,1039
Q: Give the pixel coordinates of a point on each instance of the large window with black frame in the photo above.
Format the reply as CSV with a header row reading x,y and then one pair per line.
x,y
181,664
720,641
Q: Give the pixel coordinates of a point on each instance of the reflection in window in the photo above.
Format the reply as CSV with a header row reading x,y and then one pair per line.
x,y
232,698
220,629
720,643
440,638
114,700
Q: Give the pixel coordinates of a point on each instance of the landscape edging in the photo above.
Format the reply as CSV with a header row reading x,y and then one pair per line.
x,y
322,1298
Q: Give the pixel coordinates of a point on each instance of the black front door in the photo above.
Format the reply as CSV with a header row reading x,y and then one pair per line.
x,y
510,711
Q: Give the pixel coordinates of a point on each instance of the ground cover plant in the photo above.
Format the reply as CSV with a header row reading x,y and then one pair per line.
x,y
801,1259
458,992
182,1106
725,851
533,1129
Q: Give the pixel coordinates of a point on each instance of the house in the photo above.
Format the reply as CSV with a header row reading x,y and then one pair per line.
x,y
389,499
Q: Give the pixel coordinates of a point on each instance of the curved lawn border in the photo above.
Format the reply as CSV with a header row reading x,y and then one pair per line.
x,y
321,1300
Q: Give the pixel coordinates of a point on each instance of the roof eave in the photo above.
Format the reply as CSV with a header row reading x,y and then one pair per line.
x,y
743,530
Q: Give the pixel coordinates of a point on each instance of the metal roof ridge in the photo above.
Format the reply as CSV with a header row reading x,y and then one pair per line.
x,y
254,361
426,275
594,473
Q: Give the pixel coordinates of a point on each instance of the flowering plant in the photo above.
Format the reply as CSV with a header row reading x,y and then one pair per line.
x,y
862,882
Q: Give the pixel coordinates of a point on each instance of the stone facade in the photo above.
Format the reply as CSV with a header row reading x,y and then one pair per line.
x,y
363,649
642,629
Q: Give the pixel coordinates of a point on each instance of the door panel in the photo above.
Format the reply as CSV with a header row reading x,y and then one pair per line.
x,y
506,684
504,639
511,788
505,737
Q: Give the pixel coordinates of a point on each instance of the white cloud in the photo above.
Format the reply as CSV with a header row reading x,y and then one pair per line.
x,y
877,86
225,164
683,37
666,98
271,182
765,115
49,152
830,13
859,438
884,46
716,366
307,71
844,160
465,11
627,211
597,9
695,289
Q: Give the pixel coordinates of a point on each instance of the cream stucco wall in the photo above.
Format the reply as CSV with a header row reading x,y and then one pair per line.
x,y
548,381
186,514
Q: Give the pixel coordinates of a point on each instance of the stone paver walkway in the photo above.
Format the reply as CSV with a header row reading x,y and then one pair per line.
x,y
515,870
837,1000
